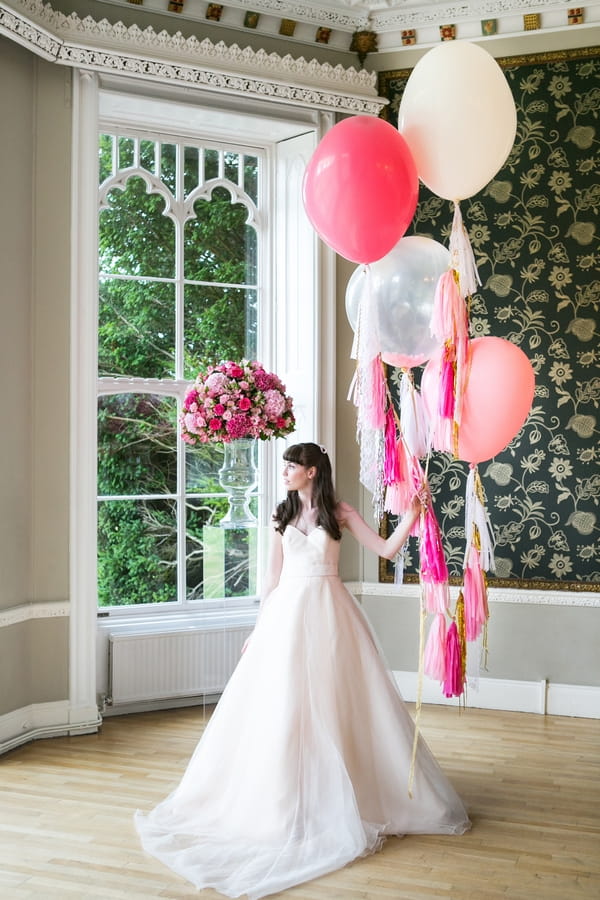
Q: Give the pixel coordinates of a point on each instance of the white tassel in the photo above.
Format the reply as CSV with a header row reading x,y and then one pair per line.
x,y
476,516
461,255
366,350
415,427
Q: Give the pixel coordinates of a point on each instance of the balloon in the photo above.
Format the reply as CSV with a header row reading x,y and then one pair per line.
x,y
497,397
402,285
361,188
458,116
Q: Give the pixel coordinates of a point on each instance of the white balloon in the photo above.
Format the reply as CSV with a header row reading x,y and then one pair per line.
x,y
458,117
402,285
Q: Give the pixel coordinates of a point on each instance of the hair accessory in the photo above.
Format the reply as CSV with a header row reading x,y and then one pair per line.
x,y
323,449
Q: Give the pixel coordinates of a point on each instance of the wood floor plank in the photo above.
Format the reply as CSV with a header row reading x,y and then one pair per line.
x,y
531,784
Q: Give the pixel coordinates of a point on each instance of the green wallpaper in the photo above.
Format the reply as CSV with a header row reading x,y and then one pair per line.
x,y
535,236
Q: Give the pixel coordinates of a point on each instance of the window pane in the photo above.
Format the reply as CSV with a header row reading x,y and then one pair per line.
x,y
251,177
168,166
148,156
220,323
137,444
135,238
202,464
105,157
220,562
136,552
191,171
211,164
136,329
218,244
125,152
231,168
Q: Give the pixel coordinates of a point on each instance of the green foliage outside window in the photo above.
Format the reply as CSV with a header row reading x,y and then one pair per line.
x,y
178,265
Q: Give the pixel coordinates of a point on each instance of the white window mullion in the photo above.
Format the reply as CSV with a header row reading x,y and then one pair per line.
x,y
179,366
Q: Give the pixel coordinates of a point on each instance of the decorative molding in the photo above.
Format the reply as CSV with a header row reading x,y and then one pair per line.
x,y
413,14
171,58
53,609
495,595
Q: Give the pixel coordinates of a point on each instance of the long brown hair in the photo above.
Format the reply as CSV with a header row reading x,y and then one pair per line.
x,y
323,493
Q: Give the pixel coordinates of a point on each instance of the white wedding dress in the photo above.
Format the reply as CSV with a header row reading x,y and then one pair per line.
x,y
304,765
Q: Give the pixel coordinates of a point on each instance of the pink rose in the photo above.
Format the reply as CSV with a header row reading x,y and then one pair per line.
x,y
219,409
214,424
244,403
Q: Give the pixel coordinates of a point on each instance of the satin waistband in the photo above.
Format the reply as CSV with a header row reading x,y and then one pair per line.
x,y
317,571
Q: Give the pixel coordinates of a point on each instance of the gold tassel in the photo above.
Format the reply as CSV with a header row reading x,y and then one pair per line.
x,y
459,615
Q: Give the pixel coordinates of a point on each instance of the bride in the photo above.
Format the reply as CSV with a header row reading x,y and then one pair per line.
x,y
304,764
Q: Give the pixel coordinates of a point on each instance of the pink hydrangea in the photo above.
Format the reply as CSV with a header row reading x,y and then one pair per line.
x,y
274,404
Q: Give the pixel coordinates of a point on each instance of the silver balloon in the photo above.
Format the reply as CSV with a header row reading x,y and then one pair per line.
x,y
402,286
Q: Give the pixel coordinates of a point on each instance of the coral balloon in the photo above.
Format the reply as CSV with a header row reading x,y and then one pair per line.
x,y
497,397
459,119
402,285
361,188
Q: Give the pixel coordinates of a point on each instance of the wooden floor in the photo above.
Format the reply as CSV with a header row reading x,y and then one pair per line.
x,y
532,786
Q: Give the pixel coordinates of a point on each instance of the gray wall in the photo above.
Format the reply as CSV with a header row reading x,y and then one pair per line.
x,y
34,356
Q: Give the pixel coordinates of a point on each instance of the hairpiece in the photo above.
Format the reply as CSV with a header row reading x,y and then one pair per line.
x,y
323,449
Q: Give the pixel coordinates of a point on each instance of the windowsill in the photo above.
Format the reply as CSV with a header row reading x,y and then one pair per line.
x,y
211,615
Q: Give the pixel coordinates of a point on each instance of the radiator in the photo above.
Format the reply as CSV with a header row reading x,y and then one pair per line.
x,y
172,664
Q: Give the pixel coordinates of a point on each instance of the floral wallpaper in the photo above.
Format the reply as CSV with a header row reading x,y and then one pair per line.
x,y
534,233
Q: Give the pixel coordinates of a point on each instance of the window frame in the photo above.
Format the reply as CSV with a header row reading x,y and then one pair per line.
x,y
300,340
177,386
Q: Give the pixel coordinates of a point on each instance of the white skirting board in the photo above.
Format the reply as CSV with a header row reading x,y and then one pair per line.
x,y
503,694
44,720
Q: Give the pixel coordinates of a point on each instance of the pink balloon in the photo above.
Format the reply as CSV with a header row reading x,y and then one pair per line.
x,y
497,398
361,188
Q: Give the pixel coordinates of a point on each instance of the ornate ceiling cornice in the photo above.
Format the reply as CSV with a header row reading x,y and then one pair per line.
x,y
171,58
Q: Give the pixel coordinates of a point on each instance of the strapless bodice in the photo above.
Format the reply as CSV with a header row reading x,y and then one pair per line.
x,y
309,555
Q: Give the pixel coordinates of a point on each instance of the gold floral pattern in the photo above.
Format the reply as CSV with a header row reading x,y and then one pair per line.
x,y
534,233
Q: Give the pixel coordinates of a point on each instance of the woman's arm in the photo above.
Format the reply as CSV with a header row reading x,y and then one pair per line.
x,y
274,565
368,537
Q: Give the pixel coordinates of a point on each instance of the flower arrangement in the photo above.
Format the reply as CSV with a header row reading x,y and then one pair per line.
x,y
236,400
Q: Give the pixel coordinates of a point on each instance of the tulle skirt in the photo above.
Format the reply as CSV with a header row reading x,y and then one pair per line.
x,y
304,765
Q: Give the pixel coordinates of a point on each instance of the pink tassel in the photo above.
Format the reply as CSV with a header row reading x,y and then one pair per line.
x,y
398,496
433,562
379,400
475,597
446,397
453,677
434,659
446,301
391,465
436,596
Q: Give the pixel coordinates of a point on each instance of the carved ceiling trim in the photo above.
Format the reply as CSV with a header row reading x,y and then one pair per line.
x,y
117,49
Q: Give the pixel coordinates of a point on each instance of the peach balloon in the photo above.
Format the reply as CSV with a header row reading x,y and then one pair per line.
x,y
497,398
